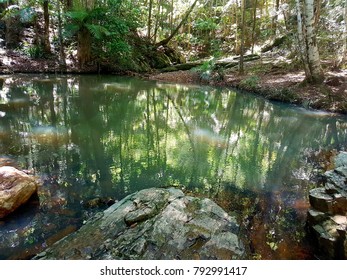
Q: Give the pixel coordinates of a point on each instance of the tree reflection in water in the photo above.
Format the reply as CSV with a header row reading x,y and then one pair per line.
x,y
106,136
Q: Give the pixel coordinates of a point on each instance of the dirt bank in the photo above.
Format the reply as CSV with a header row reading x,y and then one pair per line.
x,y
278,85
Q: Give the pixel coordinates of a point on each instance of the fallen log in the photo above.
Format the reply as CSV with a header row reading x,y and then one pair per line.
x,y
228,63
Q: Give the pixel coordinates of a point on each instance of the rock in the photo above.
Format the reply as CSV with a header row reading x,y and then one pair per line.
x,y
275,43
16,187
336,177
315,217
98,202
320,200
7,161
340,159
327,219
152,224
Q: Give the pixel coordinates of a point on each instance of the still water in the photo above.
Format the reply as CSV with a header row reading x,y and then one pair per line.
x,y
94,139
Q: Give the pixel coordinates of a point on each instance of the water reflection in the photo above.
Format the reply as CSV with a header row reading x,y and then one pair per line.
x,y
105,136
49,135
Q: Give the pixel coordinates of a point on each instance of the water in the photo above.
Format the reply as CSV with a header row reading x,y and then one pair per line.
x,y
94,139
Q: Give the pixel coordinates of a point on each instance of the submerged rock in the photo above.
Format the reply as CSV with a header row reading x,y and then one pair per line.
x,y
327,219
154,223
7,161
16,187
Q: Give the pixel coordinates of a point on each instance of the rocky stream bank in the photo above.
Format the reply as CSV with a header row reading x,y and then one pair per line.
x,y
327,218
154,223
165,223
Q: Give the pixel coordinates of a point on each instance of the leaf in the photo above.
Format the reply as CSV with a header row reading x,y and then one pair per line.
x,y
272,245
97,31
11,11
71,29
78,15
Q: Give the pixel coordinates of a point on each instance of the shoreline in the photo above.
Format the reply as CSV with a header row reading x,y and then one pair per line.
x,y
285,87
276,84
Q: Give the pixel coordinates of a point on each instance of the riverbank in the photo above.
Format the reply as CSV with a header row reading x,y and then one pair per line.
x,y
264,77
278,85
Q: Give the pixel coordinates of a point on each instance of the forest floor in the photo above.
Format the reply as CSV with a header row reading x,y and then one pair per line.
x,y
264,77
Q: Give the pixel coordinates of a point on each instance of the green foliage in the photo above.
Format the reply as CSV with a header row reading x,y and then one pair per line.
x,y
10,12
206,69
250,83
36,52
98,31
108,26
209,71
205,25
33,51
213,27
78,16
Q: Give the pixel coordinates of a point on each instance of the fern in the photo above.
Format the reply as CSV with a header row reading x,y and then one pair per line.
x,y
97,31
77,16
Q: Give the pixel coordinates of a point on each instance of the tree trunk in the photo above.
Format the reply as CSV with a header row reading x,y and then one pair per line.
x,y
13,31
344,47
149,21
301,40
84,47
173,33
46,42
171,15
308,48
62,58
243,13
275,18
237,46
158,18
254,23
68,4
316,73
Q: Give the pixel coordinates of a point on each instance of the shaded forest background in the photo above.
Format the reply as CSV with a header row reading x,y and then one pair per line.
x,y
140,35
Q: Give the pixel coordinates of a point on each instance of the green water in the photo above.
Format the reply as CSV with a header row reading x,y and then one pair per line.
x,y
107,136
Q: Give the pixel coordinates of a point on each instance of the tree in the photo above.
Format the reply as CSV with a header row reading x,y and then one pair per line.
x,y
149,23
255,3
175,31
62,56
14,28
307,35
46,42
342,60
243,23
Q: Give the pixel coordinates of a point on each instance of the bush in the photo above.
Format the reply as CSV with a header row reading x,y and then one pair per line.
x,y
36,52
209,71
33,51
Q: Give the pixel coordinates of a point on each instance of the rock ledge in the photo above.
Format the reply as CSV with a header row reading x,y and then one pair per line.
x,y
154,223
327,218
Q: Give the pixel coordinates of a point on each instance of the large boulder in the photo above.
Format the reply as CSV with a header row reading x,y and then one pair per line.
x,y
16,187
327,218
154,223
